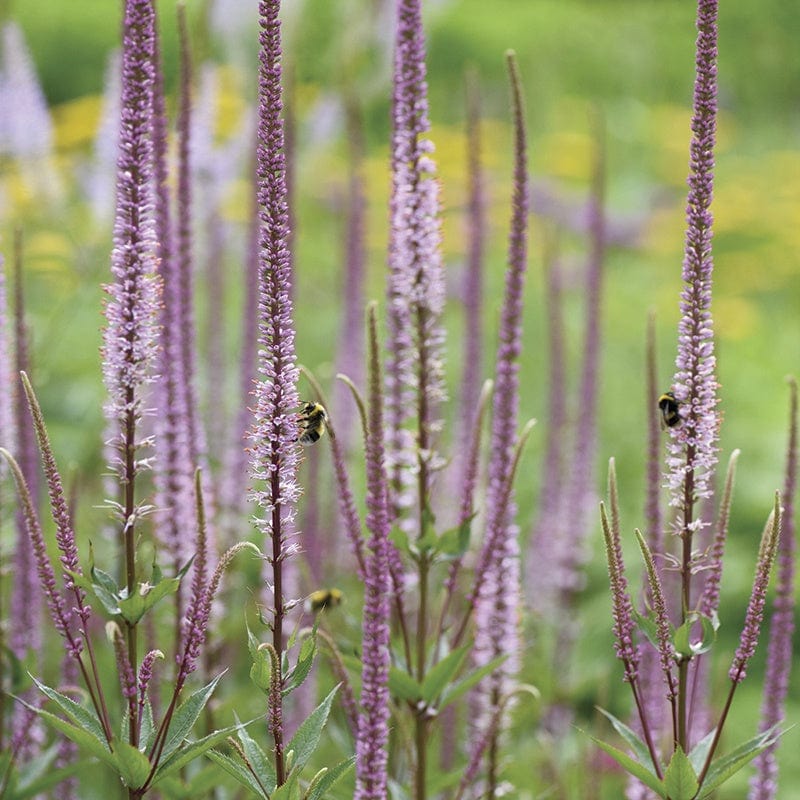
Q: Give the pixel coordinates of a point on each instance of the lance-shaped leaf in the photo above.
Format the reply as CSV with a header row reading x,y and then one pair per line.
x,y
307,736
638,747
724,767
240,773
134,765
85,718
441,674
185,717
452,692
680,779
632,766
326,779
191,751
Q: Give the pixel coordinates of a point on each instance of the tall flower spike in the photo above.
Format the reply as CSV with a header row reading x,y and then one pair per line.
x,y
373,728
416,291
624,629
496,593
130,337
779,650
275,454
758,596
692,449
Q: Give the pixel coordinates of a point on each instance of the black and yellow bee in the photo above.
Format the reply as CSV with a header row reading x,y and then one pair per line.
x,y
670,409
322,599
313,421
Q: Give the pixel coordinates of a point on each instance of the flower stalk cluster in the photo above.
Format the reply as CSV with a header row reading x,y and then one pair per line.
x,y
275,455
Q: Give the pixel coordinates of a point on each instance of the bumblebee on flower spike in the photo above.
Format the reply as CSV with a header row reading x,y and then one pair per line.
x,y
313,421
670,409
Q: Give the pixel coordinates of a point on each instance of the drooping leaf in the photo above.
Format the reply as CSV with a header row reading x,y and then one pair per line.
x,y
682,639
83,717
633,767
96,747
639,748
680,779
441,674
307,736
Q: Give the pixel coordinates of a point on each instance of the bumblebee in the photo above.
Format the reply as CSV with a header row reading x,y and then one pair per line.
x,y
670,409
313,421
322,599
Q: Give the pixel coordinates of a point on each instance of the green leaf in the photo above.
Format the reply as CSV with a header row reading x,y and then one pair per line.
x,y
98,592
190,752
258,759
453,543
147,730
289,790
441,674
97,748
305,660
403,685
104,581
38,776
647,625
238,771
134,766
145,596
185,717
316,791
633,767
682,640
639,747
724,767
455,690
699,753
85,718
307,736
399,538
680,779
261,669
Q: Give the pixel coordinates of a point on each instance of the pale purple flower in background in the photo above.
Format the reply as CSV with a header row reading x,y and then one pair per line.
x,y
764,784
472,375
98,178
350,348
8,435
173,468
373,721
26,128
693,443
25,616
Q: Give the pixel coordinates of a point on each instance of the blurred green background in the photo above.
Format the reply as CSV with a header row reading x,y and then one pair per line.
x,y
633,61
